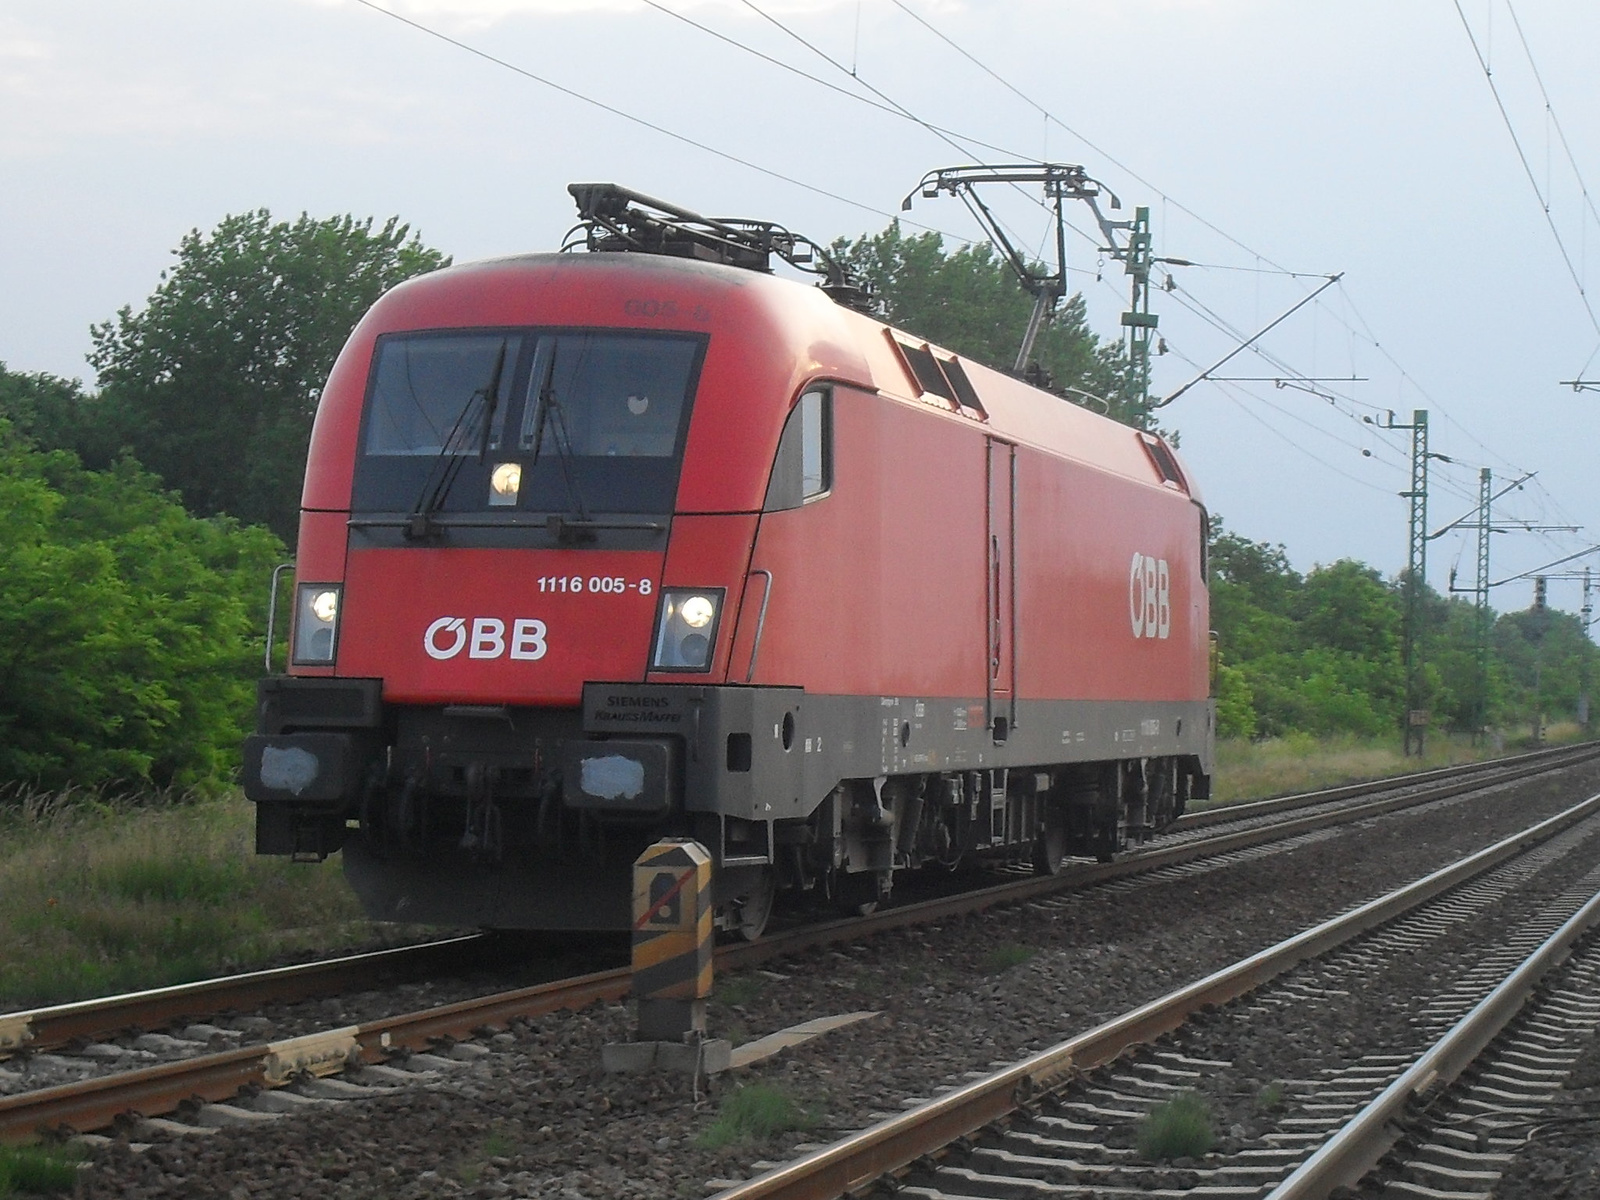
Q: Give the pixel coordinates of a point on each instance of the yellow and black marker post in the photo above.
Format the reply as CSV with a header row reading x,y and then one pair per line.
x,y
672,939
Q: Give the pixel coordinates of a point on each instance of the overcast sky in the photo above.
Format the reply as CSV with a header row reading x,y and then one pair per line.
x,y
1267,136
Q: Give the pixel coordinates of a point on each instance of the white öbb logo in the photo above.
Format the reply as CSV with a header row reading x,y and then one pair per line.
x,y
448,636
1150,597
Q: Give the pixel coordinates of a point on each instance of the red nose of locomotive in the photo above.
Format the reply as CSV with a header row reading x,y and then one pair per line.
x,y
511,504
479,626
509,511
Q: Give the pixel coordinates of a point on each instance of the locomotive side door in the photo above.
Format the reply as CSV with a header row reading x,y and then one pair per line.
x,y
1000,591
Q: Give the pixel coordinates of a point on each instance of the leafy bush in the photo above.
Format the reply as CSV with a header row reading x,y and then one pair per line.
x,y
129,627
1236,710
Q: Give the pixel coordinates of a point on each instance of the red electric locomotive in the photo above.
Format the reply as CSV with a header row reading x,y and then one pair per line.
x,y
601,547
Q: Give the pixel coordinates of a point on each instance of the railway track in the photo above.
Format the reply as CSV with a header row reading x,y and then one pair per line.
x,y
217,1077
1059,1124
1435,1129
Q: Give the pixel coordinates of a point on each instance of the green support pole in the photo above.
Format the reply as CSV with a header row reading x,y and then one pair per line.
x,y
1139,320
1586,613
1485,499
1416,718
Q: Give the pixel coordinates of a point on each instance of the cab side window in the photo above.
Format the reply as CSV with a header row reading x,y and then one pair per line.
x,y
803,467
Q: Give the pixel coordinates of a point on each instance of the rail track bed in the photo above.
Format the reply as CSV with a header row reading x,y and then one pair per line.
x,y
1287,1065
115,1033
1558,1156
73,1044
528,1110
1467,1118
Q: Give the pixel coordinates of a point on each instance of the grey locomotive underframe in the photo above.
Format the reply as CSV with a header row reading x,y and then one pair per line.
x,y
525,817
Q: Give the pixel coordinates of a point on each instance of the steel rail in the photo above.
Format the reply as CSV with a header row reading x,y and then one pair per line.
x,y
1084,874
1358,1145
896,1143
59,1025
1217,814
94,1103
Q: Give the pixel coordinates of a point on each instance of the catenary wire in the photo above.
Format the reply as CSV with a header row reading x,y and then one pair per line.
x,y
1448,485
638,120
1566,147
1527,168
895,108
1561,133
1167,199
950,140
782,177
882,106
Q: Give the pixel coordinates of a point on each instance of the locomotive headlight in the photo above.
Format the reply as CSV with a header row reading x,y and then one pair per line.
x,y
697,611
686,629
325,606
505,481
316,623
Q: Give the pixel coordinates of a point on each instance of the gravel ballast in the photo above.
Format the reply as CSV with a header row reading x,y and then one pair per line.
x,y
537,1117
1562,1161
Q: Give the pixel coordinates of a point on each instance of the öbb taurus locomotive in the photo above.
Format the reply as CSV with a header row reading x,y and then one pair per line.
x,y
601,547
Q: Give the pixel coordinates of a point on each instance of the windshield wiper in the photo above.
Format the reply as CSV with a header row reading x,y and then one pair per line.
x,y
420,524
552,415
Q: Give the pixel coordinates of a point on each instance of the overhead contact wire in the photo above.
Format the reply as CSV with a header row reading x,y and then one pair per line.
x,y
1527,168
886,106
949,140
627,116
1278,268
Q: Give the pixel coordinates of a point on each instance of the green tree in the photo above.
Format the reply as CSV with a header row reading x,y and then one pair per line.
x,y
55,414
215,382
1236,713
128,628
1252,592
969,301
1348,607
1318,653
1545,656
1452,653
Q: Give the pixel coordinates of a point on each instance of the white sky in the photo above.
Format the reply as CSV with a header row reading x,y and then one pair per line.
x,y
1320,135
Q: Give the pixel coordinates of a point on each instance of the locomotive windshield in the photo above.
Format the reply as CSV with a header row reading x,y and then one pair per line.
x,y
537,420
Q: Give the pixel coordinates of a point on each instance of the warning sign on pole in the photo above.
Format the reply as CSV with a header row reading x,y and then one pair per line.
x,y
672,939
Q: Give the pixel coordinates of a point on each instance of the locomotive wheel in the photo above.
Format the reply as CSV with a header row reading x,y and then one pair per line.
x,y
1050,850
754,908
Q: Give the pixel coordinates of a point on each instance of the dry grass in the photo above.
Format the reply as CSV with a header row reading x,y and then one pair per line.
x,y
1300,763
99,897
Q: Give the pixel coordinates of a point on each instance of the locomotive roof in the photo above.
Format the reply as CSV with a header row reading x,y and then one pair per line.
x,y
793,326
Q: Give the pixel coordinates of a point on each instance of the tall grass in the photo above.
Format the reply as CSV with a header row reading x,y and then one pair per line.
x,y
1179,1128
38,1170
1299,762
99,896
753,1113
